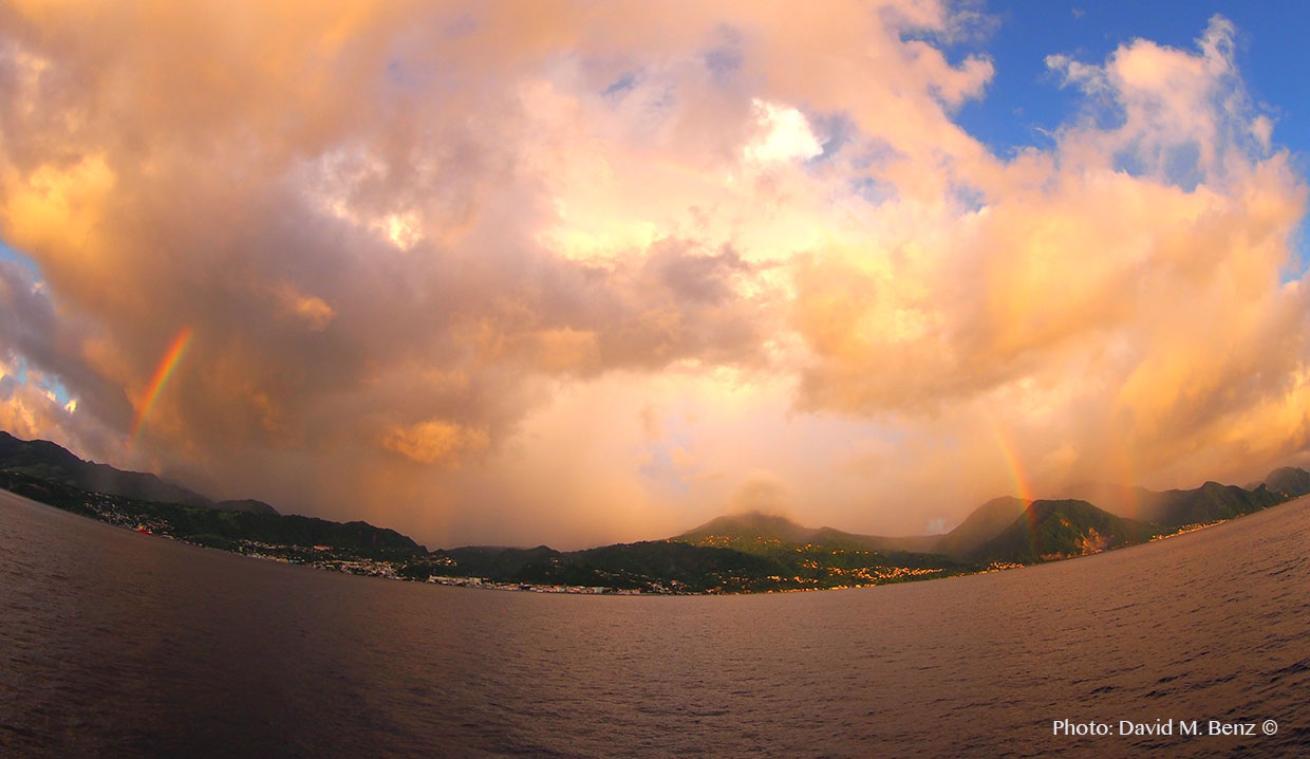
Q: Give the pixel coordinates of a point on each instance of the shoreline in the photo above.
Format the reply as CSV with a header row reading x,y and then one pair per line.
x,y
385,569
482,583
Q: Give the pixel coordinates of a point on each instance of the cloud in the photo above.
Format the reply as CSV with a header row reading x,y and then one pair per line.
x,y
763,494
785,135
438,259
312,310
433,441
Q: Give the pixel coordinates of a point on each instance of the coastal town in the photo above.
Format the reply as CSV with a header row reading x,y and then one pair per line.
x,y
824,568
744,553
334,559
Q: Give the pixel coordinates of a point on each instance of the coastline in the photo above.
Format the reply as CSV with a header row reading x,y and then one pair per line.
x,y
387,570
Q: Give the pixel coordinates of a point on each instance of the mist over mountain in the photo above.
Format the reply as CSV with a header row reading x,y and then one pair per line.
x,y
47,461
1289,482
983,524
1210,502
1011,530
1051,530
1006,529
748,528
753,531
748,551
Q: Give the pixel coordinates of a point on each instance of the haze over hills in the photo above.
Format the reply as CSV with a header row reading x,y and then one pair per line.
x,y
1289,482
46,472
753,530
1052,530
984,523
227,530
1010,530
1007,530
46,460
743,552
1210,502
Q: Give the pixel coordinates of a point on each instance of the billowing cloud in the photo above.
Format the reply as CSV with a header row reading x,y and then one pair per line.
x,y
433,441
600,271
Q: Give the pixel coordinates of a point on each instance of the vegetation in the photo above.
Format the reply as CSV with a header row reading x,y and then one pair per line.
x,y
1051,530
211,527
738,553
650,565
1208,503
47,461
986,522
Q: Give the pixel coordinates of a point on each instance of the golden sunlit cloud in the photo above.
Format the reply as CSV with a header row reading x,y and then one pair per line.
x,y
433,441
606,270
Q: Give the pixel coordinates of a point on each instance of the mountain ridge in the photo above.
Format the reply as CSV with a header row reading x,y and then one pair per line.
x,y
741,528
51,461
732,553
1049,530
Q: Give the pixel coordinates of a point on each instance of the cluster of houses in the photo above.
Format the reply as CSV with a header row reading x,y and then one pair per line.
x,y
478,582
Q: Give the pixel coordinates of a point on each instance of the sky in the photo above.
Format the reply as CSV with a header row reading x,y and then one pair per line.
x,y
575,273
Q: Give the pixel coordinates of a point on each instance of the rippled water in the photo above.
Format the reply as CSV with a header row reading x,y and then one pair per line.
x,y
113,643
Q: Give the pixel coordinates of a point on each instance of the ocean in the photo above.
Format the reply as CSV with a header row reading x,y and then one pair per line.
x,y
119,644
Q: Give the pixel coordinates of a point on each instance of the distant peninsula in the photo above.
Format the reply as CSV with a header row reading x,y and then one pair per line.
x,y
738,553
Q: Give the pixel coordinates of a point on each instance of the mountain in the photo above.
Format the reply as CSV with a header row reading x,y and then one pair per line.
x,y
47,461
489,561
757,532
678,566
985,523
746,530
245,504
1289,482
244,530
648,565
805,557
1209,503
1050,530
749,552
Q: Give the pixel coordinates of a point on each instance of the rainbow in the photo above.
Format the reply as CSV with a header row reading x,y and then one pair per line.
x,y
1129,477
1014,464
172,357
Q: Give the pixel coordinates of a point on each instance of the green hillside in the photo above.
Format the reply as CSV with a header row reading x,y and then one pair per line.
x,y
1052,530
45,460
1209,503
229,530
984,524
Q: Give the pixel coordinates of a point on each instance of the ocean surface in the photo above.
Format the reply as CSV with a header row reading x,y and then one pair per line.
x,y
118,644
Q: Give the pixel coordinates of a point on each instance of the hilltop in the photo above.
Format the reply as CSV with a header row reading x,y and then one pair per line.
x,y
1053,530
755,532
1006,530
983,524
